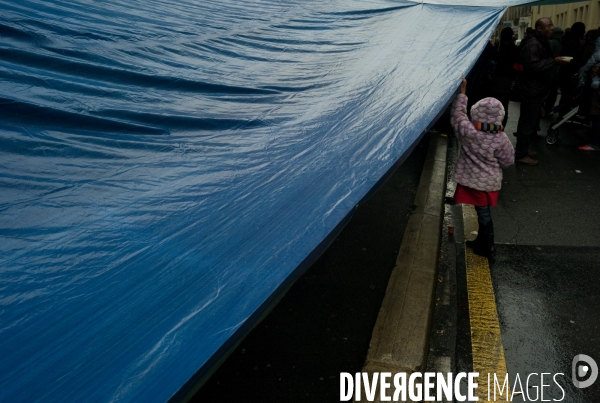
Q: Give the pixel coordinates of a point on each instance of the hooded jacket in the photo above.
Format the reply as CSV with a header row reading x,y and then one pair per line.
x,y
483,155
594,60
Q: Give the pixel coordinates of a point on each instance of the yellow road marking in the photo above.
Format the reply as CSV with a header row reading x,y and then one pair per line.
x,y
486,340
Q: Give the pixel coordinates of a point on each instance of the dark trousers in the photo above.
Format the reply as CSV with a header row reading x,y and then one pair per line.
x,y
595,132
526,128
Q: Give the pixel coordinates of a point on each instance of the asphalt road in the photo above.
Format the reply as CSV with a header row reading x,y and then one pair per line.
x,y
549,308
323,325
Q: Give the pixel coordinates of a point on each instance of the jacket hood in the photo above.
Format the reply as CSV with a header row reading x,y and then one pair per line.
x,y
488,110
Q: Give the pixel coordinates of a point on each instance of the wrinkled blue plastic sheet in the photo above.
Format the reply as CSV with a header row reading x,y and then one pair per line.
x,y
167,168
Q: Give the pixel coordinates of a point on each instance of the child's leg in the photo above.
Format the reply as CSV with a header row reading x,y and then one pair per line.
x,y
484,214
485,240
483,217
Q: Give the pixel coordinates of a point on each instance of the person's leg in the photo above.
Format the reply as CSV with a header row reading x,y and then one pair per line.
x,y
525,129
485,242
483,217
585,102
595,133
594,138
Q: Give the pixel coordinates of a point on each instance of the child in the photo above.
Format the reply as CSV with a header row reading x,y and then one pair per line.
x,y
485,151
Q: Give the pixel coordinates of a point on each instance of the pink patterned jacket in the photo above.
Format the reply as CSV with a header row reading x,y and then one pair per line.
x,y
483,155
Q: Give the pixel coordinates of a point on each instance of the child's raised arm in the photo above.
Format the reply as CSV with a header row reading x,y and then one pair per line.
x,y
458,114
463,86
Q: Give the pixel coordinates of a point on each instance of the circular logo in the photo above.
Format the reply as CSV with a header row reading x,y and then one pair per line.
x,y
584,370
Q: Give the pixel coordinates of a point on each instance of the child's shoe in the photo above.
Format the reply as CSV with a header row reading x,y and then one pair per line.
x,y
475,242
485,247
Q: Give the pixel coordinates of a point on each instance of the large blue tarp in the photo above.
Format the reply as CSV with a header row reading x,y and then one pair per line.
x,y
168,167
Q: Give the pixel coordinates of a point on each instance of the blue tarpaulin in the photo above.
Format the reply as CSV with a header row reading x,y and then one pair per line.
x,y
168,167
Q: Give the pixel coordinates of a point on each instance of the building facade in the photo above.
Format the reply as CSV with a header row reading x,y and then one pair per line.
x,y
518,18
564,15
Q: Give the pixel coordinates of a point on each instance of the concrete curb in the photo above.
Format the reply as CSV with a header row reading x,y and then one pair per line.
x,y
401,333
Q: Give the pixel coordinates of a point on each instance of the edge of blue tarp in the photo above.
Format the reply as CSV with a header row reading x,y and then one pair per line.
x,y
226,349
305,263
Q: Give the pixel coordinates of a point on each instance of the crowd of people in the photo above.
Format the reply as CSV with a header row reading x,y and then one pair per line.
x,y
547,61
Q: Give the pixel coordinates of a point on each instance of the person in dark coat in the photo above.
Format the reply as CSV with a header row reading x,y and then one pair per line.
x,y
572,46
539,66
507,54
528,32
587,92
480,76
555,41
555,45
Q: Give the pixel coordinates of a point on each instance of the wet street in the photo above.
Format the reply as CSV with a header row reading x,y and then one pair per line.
x,y
544,280
548,301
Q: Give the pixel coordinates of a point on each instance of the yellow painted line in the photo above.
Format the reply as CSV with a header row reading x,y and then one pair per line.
x,y
486,340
